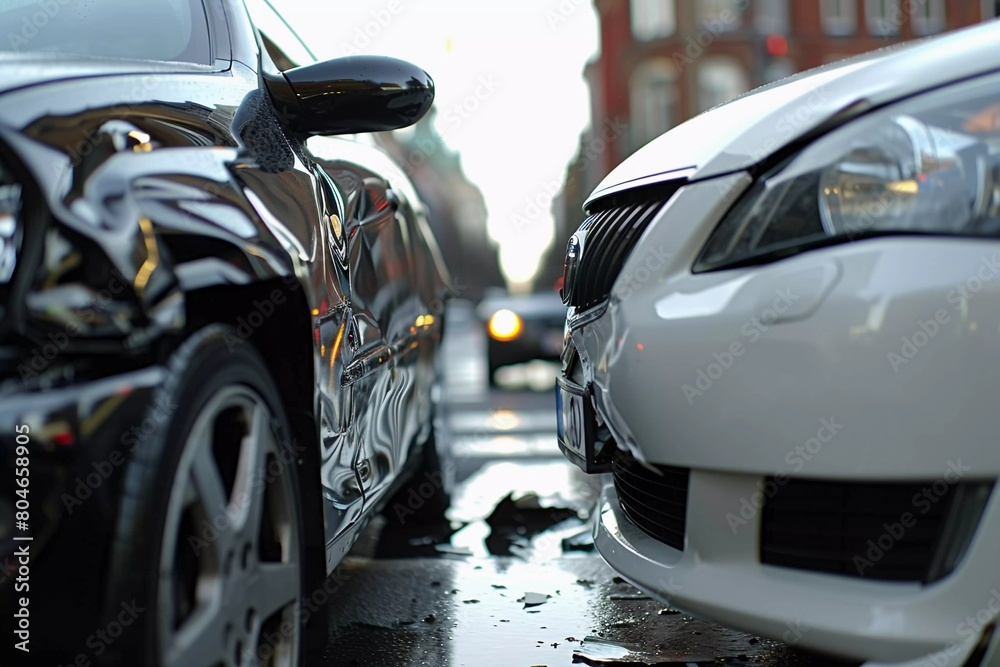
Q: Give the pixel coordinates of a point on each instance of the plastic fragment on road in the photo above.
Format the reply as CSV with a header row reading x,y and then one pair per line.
x,y
533,599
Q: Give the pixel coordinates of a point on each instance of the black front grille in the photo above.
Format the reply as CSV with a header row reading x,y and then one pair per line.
x,y
655,500
605,240
858,529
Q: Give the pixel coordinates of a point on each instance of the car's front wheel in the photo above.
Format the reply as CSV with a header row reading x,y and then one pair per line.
x,y
209,545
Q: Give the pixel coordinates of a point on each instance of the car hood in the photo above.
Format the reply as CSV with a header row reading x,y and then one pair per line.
x,y
751,128
19,70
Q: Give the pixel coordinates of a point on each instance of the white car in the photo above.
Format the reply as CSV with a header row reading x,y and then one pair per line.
x,y
783,319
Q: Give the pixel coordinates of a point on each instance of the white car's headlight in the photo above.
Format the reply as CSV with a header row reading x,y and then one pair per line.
x,y
929,165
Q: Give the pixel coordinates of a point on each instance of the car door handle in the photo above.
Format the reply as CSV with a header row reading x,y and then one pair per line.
x,y
366,364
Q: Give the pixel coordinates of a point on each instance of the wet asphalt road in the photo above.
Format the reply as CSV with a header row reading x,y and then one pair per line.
x,y
511,577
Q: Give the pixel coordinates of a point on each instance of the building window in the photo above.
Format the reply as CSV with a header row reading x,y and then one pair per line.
x,y
721,15
928,17
991,9
652,19
883,17
653,99
771,17
720,79
839,17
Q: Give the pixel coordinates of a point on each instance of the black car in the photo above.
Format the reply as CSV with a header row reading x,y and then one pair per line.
x,y
217,328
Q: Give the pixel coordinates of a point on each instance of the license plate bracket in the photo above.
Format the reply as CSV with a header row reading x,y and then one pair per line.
x,y
576,426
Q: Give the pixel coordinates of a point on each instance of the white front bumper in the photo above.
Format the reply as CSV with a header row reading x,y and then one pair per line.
x,y
719,577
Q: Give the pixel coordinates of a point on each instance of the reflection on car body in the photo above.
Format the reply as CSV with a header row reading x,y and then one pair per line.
x,y
209,319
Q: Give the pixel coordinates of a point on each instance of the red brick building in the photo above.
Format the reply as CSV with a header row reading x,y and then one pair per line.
x,y
663,61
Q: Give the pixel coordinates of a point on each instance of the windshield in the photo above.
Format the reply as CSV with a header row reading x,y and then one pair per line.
x,y
170,30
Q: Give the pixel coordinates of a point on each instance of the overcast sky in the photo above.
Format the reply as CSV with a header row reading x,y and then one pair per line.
x,y
510,90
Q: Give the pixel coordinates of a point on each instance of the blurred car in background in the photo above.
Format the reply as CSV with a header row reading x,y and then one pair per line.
x,y
520,329
783,315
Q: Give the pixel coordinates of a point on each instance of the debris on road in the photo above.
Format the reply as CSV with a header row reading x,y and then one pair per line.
x,y
598,651
583,540
533,599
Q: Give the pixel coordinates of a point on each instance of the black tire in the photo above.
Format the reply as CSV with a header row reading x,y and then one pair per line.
x,y
207,366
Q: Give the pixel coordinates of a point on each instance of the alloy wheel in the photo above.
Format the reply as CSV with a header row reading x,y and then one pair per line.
x,y
230,562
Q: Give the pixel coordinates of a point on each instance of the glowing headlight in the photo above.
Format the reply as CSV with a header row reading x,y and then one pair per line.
x,y
925,166
505,325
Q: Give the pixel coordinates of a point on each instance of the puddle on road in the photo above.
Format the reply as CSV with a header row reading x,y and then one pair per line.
x,y
533,511
509,612
510,577
473,612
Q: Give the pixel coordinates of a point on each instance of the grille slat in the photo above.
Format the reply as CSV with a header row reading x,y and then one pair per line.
x,y
607,238
830,527
601,267
656,503
661,496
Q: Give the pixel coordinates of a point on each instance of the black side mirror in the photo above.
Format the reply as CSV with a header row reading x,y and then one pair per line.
x,y
351,95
